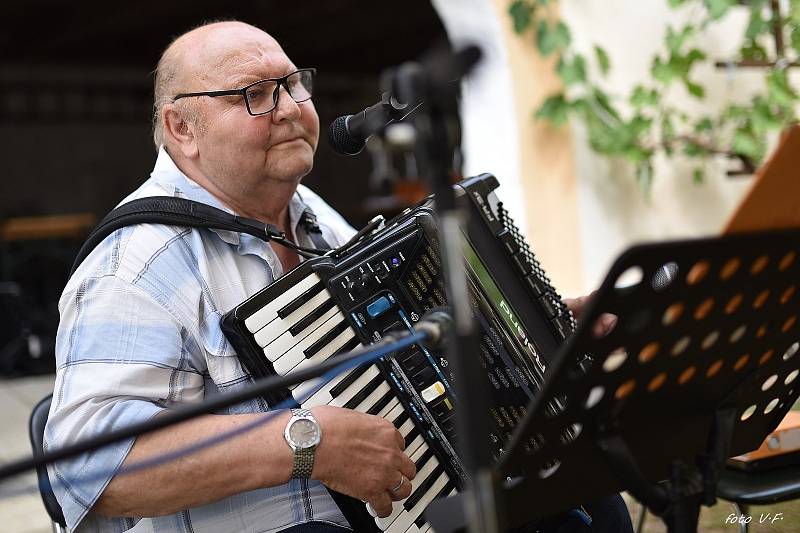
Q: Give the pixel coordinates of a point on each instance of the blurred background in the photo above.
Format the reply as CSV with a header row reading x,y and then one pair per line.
x,y
607,122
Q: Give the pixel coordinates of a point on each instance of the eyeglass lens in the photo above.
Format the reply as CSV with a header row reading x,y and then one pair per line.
x,y
262,96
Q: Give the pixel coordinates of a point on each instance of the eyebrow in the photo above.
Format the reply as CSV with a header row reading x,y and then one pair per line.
x,y
241,80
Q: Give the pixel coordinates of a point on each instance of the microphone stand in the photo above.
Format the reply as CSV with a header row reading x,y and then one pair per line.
x,y
437,139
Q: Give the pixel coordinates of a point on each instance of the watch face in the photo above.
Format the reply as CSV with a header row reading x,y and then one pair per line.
x,y
304,433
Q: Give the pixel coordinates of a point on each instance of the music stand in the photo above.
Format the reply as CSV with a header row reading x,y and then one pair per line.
x,y
702,365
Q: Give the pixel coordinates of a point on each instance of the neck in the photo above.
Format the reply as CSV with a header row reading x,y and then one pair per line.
x,y
267,202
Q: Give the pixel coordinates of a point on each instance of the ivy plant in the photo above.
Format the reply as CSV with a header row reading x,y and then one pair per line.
x,y
638,125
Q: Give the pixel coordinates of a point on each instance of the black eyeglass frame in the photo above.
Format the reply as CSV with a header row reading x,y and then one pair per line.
x,y
282,81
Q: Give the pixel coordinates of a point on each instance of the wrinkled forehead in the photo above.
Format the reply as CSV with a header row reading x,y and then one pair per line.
x,y
233,56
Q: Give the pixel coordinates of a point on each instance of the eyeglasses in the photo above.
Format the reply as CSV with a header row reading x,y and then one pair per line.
x,y
261,97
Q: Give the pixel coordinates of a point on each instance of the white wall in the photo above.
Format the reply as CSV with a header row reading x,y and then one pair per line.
x,y
489,123
614,210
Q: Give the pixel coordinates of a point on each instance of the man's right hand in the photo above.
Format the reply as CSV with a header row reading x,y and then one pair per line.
x,y
362,456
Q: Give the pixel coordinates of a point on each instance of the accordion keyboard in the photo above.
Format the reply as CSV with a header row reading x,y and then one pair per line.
x,y
329,305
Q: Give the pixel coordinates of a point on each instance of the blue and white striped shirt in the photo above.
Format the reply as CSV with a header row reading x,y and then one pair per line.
x,y
140,333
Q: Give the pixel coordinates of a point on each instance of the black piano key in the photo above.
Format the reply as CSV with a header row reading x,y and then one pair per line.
x,y
401,419
419,522
311,317
349,346
411,435
424,458
298,302
348,380
326,339
361,395
383,402
422,488
447,489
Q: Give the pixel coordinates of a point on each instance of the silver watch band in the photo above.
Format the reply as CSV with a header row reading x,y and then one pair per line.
x,y
303,461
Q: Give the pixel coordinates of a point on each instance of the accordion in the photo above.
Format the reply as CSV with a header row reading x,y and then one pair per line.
x,y
332,304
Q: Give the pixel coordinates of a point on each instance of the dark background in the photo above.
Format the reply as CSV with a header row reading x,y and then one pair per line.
x,y
76,103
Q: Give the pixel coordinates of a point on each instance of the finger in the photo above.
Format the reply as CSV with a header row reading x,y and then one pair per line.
x,y
381,504
402,492
401,442
407,467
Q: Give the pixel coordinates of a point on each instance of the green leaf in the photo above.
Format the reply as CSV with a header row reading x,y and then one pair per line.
x,y
602,60
572,72
795,38
718,8
676,3
676,40
704,125
757,25
521,12
745,143
698,176
550,40
779,89
554,109
754,51
641,97
695,89
694,149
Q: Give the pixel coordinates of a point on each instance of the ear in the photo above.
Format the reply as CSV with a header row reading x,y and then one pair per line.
x,y
178,131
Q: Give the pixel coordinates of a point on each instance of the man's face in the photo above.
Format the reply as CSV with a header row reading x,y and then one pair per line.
x,y
237,151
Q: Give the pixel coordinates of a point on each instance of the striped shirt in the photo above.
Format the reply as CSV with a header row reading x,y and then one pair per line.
x,y
140,333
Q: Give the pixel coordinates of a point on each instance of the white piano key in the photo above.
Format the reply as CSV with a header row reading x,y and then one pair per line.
x,y
279,326
398,511
325,353
269,312
293,347
406,427
388,408
285,341
395,412
416,444
356,386
323,396
373,398
426,500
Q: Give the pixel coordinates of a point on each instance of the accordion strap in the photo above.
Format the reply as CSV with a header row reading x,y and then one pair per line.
x,y
174,211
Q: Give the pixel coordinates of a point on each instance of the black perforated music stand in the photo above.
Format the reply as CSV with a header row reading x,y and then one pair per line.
x,y
702,365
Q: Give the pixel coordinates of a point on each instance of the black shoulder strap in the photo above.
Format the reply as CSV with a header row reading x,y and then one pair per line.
x,y
182,212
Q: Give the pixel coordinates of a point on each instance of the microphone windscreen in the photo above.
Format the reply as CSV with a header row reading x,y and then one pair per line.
x,y
340,138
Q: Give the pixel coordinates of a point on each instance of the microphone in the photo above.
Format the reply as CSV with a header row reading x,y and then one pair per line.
x,y
348,134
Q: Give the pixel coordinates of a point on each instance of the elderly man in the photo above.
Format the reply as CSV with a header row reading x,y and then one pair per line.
x,y
139,333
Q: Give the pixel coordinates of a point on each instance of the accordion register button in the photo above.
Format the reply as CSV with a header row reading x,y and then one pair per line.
x,y
433,392
549,307
535,284
378,307
509,243
521,264
563,326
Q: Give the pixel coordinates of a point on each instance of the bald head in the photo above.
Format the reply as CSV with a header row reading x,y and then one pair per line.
x,y
194,56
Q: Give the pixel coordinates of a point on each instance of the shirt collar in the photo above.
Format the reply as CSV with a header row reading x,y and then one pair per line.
x,y
167,174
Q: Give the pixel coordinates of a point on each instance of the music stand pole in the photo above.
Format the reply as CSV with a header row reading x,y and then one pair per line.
x,y
437,138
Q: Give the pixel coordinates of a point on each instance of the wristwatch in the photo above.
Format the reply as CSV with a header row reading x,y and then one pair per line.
x,y
302,434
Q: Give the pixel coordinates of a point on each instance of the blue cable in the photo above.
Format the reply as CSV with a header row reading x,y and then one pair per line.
x,y
227,435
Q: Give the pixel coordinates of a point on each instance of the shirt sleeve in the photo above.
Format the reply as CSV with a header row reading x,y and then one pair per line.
x,y
122,357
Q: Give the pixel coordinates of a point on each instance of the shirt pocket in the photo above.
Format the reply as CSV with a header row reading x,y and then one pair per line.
x,y
224,366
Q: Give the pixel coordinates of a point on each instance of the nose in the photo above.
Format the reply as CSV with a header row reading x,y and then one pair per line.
x,y
285,108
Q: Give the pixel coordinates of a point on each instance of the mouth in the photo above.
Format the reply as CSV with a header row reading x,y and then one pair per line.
x,y
289,141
